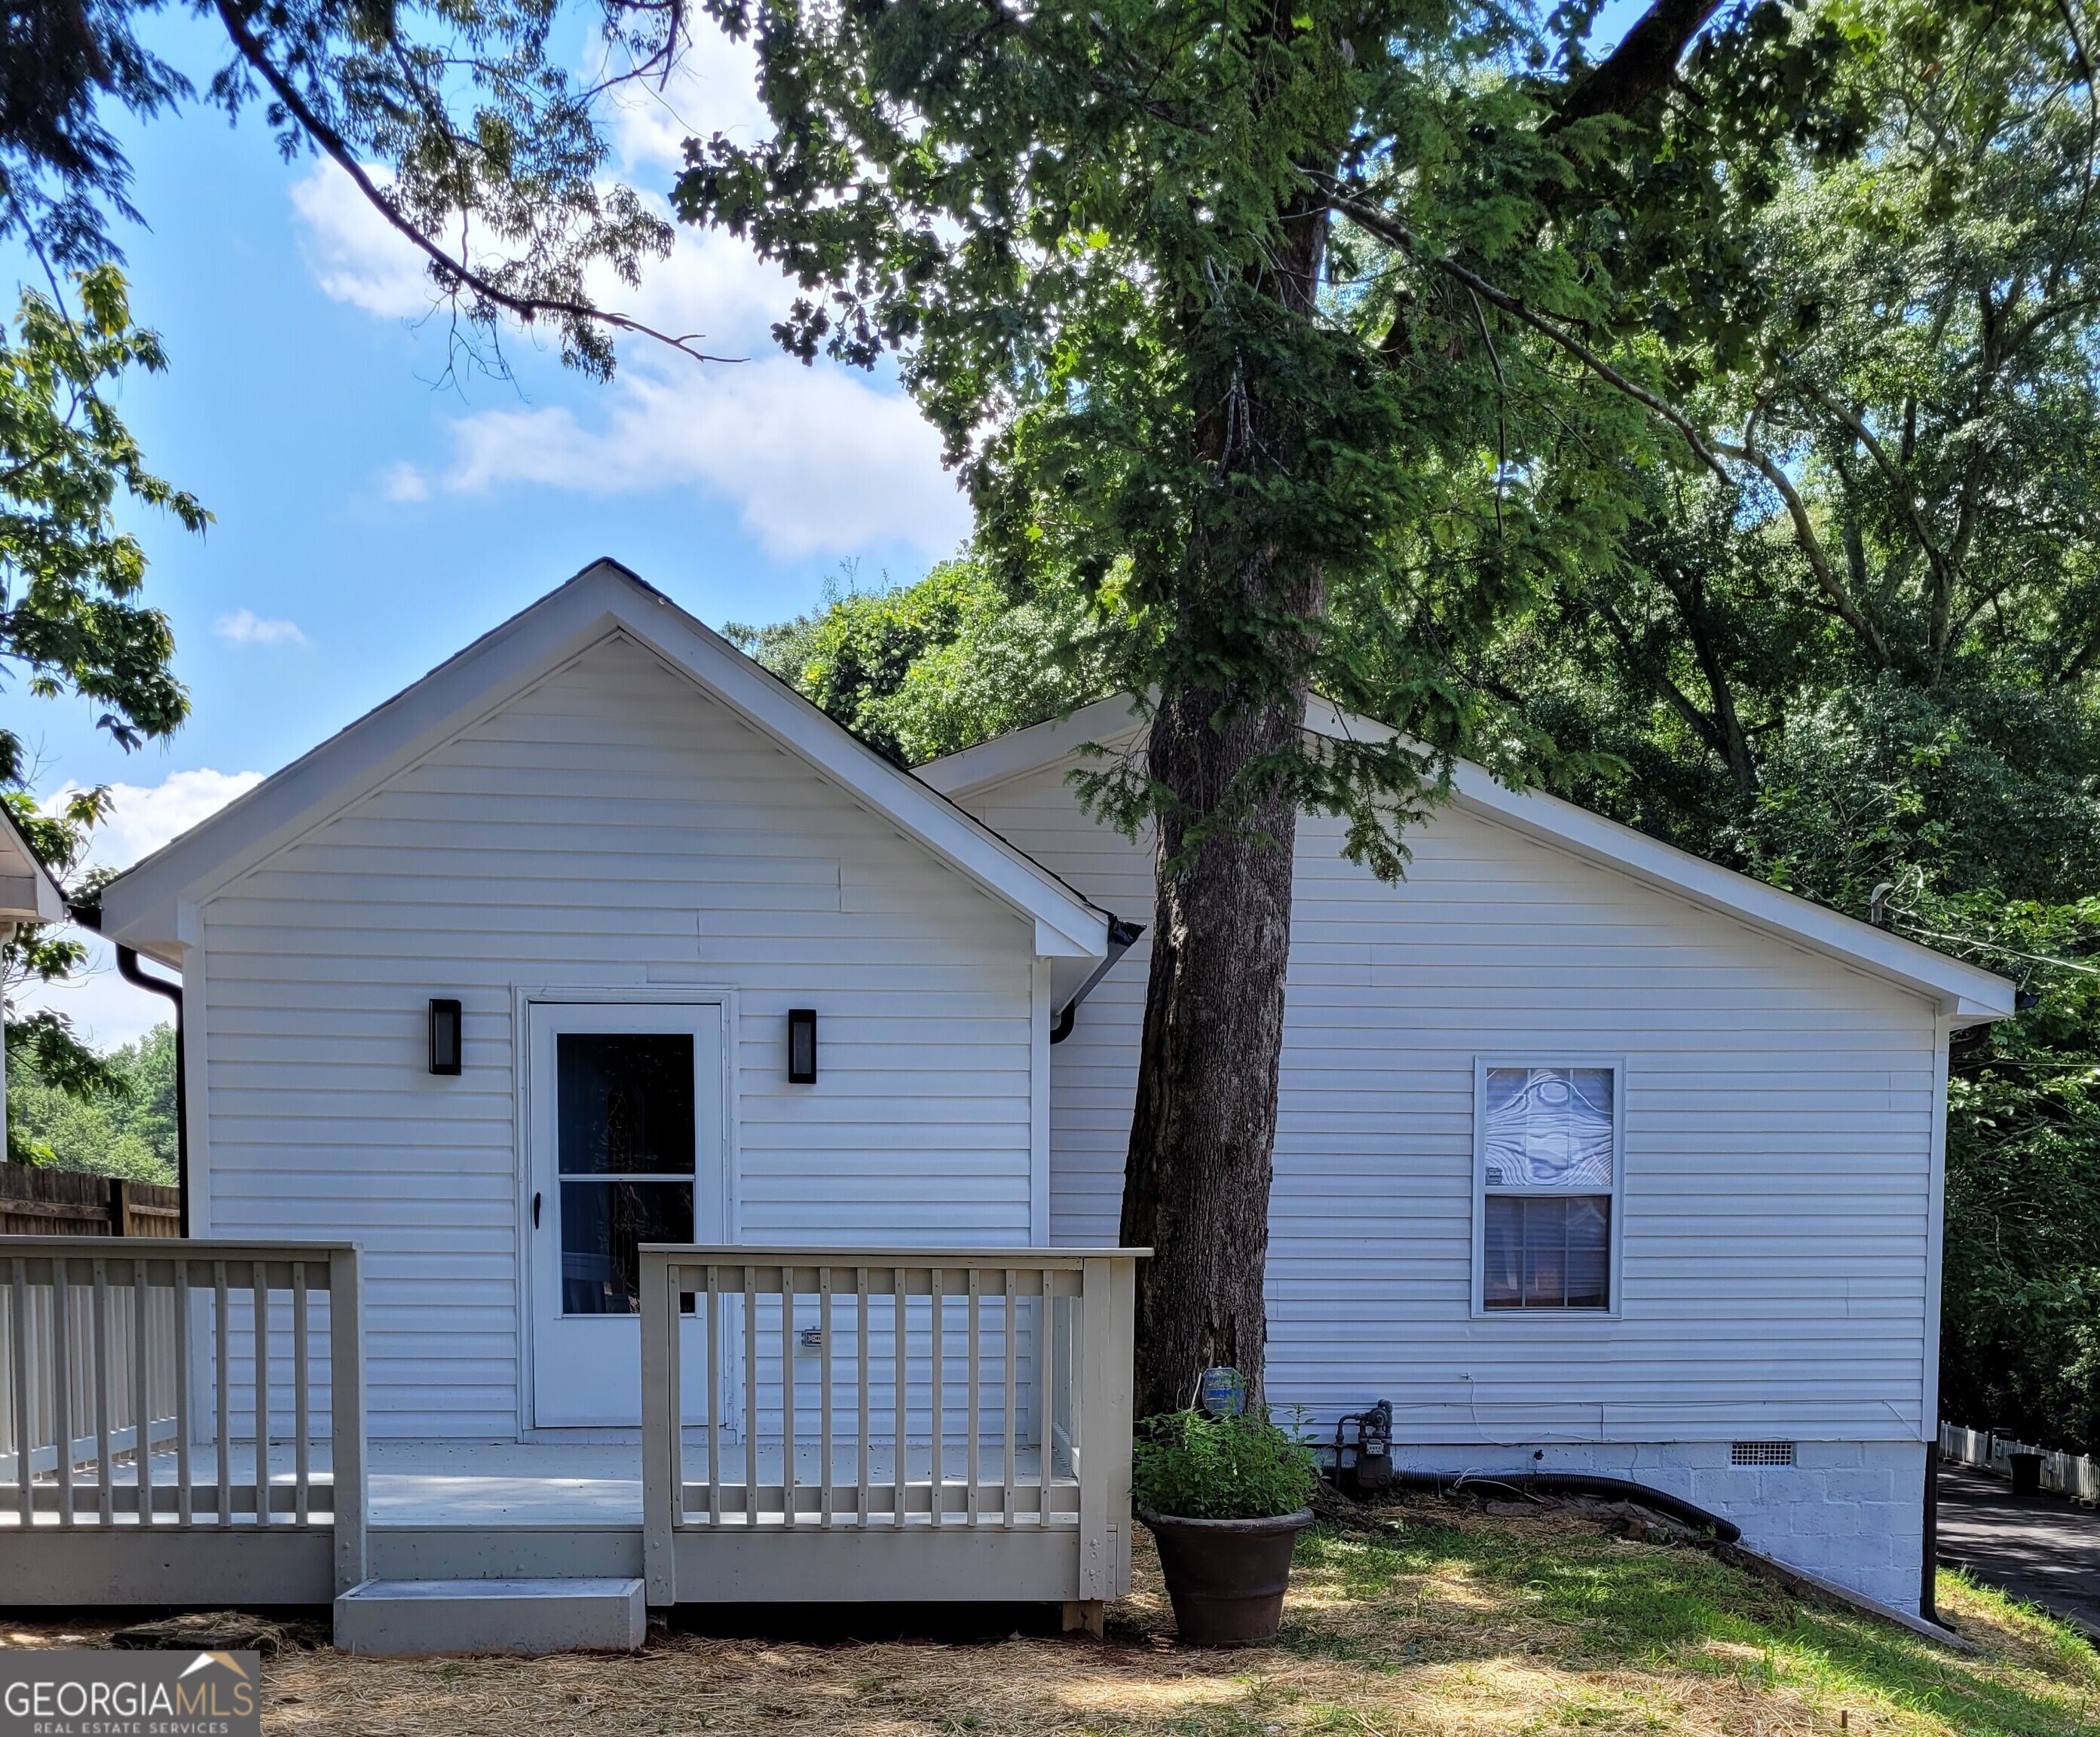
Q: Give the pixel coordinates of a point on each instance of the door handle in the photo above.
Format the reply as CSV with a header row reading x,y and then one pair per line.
x,y
536,1212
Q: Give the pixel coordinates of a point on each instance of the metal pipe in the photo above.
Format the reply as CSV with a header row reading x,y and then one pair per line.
x,y
127,968
1121,937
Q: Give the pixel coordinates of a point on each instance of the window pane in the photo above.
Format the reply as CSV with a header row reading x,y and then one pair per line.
x,y
1549,1128
625,1101
1545,1254
1504,1252
1553,1253
1589,1252
602,1222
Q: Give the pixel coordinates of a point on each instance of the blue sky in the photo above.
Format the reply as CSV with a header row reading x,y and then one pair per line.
x,y
371,520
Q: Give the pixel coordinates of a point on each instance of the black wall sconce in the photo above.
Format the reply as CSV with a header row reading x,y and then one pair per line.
x,y
444,1037
801,1046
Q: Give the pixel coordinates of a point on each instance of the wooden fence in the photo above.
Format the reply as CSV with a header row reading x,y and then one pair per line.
x,y
35,1202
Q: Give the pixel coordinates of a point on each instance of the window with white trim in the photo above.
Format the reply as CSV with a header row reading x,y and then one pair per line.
x,y
1549,1175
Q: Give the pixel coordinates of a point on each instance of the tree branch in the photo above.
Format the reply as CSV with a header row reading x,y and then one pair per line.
x,y
1705,728
453,273
1641,67
1875,450
1811,547
1370,218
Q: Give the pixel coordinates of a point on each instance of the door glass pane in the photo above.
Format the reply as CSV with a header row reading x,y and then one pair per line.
x,y
602,1222
625,1102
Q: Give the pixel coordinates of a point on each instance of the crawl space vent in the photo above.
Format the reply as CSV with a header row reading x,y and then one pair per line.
x,y
1761,1453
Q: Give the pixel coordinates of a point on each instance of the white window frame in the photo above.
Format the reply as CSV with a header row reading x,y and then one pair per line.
x,y
1477,1281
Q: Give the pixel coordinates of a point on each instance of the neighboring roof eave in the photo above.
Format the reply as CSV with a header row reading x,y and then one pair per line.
x,y
28,893
1965,994
141,906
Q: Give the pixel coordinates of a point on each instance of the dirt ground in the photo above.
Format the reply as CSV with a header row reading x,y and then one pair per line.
x,y
1433,1618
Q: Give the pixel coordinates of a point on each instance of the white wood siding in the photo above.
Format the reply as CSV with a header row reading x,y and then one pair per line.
x,y
1779,1116
613,827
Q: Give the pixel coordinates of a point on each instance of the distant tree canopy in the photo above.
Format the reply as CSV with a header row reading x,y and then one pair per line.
x,y
922,671
125,1126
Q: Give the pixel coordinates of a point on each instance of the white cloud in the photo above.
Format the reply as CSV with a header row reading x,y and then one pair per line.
x,y
405,482
143,817
245,627
356,255
105,1009
713,89
819,461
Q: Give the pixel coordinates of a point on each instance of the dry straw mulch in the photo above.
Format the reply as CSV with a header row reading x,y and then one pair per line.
x,y
1434,1618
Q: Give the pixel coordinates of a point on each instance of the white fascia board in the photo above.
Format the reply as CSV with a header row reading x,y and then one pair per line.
x,y
1966,993
28,893
140,907
1020,752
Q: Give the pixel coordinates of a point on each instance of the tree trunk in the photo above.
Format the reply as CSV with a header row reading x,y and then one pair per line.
x,y
1196,1188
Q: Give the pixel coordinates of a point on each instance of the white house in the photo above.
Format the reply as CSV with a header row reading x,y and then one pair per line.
x,y
1591,1156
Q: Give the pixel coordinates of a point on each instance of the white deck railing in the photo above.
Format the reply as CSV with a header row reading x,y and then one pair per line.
x,y
862,1396
241,1363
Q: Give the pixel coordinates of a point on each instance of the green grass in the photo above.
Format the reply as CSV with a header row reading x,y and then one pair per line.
x,y
1429,1593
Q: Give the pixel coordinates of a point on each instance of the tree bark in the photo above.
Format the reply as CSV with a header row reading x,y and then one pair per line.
x,y
1197,1185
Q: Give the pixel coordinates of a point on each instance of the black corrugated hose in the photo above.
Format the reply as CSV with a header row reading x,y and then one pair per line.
x,y
1574,1483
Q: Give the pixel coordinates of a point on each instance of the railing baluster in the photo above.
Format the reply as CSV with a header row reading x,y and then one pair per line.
x,y
971,1411
900,1324
18,1352
185,1511
1046,1421
62,1382
824,1392
302,1408
936,1474
788,1393
261,1275
663,1460
675,1383
750,1395
715,1394
99,1331
861,1391
1008,1348
142,1398
222,1448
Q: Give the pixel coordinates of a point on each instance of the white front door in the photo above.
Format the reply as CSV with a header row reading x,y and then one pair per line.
x,y
624,1113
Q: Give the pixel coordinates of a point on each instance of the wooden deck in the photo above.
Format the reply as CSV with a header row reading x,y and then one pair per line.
x,y
990,1353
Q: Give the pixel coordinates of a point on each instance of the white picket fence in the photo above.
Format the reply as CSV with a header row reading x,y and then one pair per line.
x,y
2066,1474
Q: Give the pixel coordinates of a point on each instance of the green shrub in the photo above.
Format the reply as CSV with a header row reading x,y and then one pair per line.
x,y
1201,1468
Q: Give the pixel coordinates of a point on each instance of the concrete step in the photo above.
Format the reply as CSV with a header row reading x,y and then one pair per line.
x,y
424,1619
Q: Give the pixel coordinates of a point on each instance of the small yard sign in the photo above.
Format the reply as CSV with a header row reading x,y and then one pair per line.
x,y
1223,1392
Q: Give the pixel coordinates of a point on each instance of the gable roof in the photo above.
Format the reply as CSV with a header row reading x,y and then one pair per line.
x,y
28,893
1966,993
142,907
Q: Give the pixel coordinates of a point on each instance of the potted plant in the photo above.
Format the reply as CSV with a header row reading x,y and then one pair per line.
x,y
1225,1498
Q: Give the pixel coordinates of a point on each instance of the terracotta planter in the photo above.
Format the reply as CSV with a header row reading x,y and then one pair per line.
x,y
1227,1577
